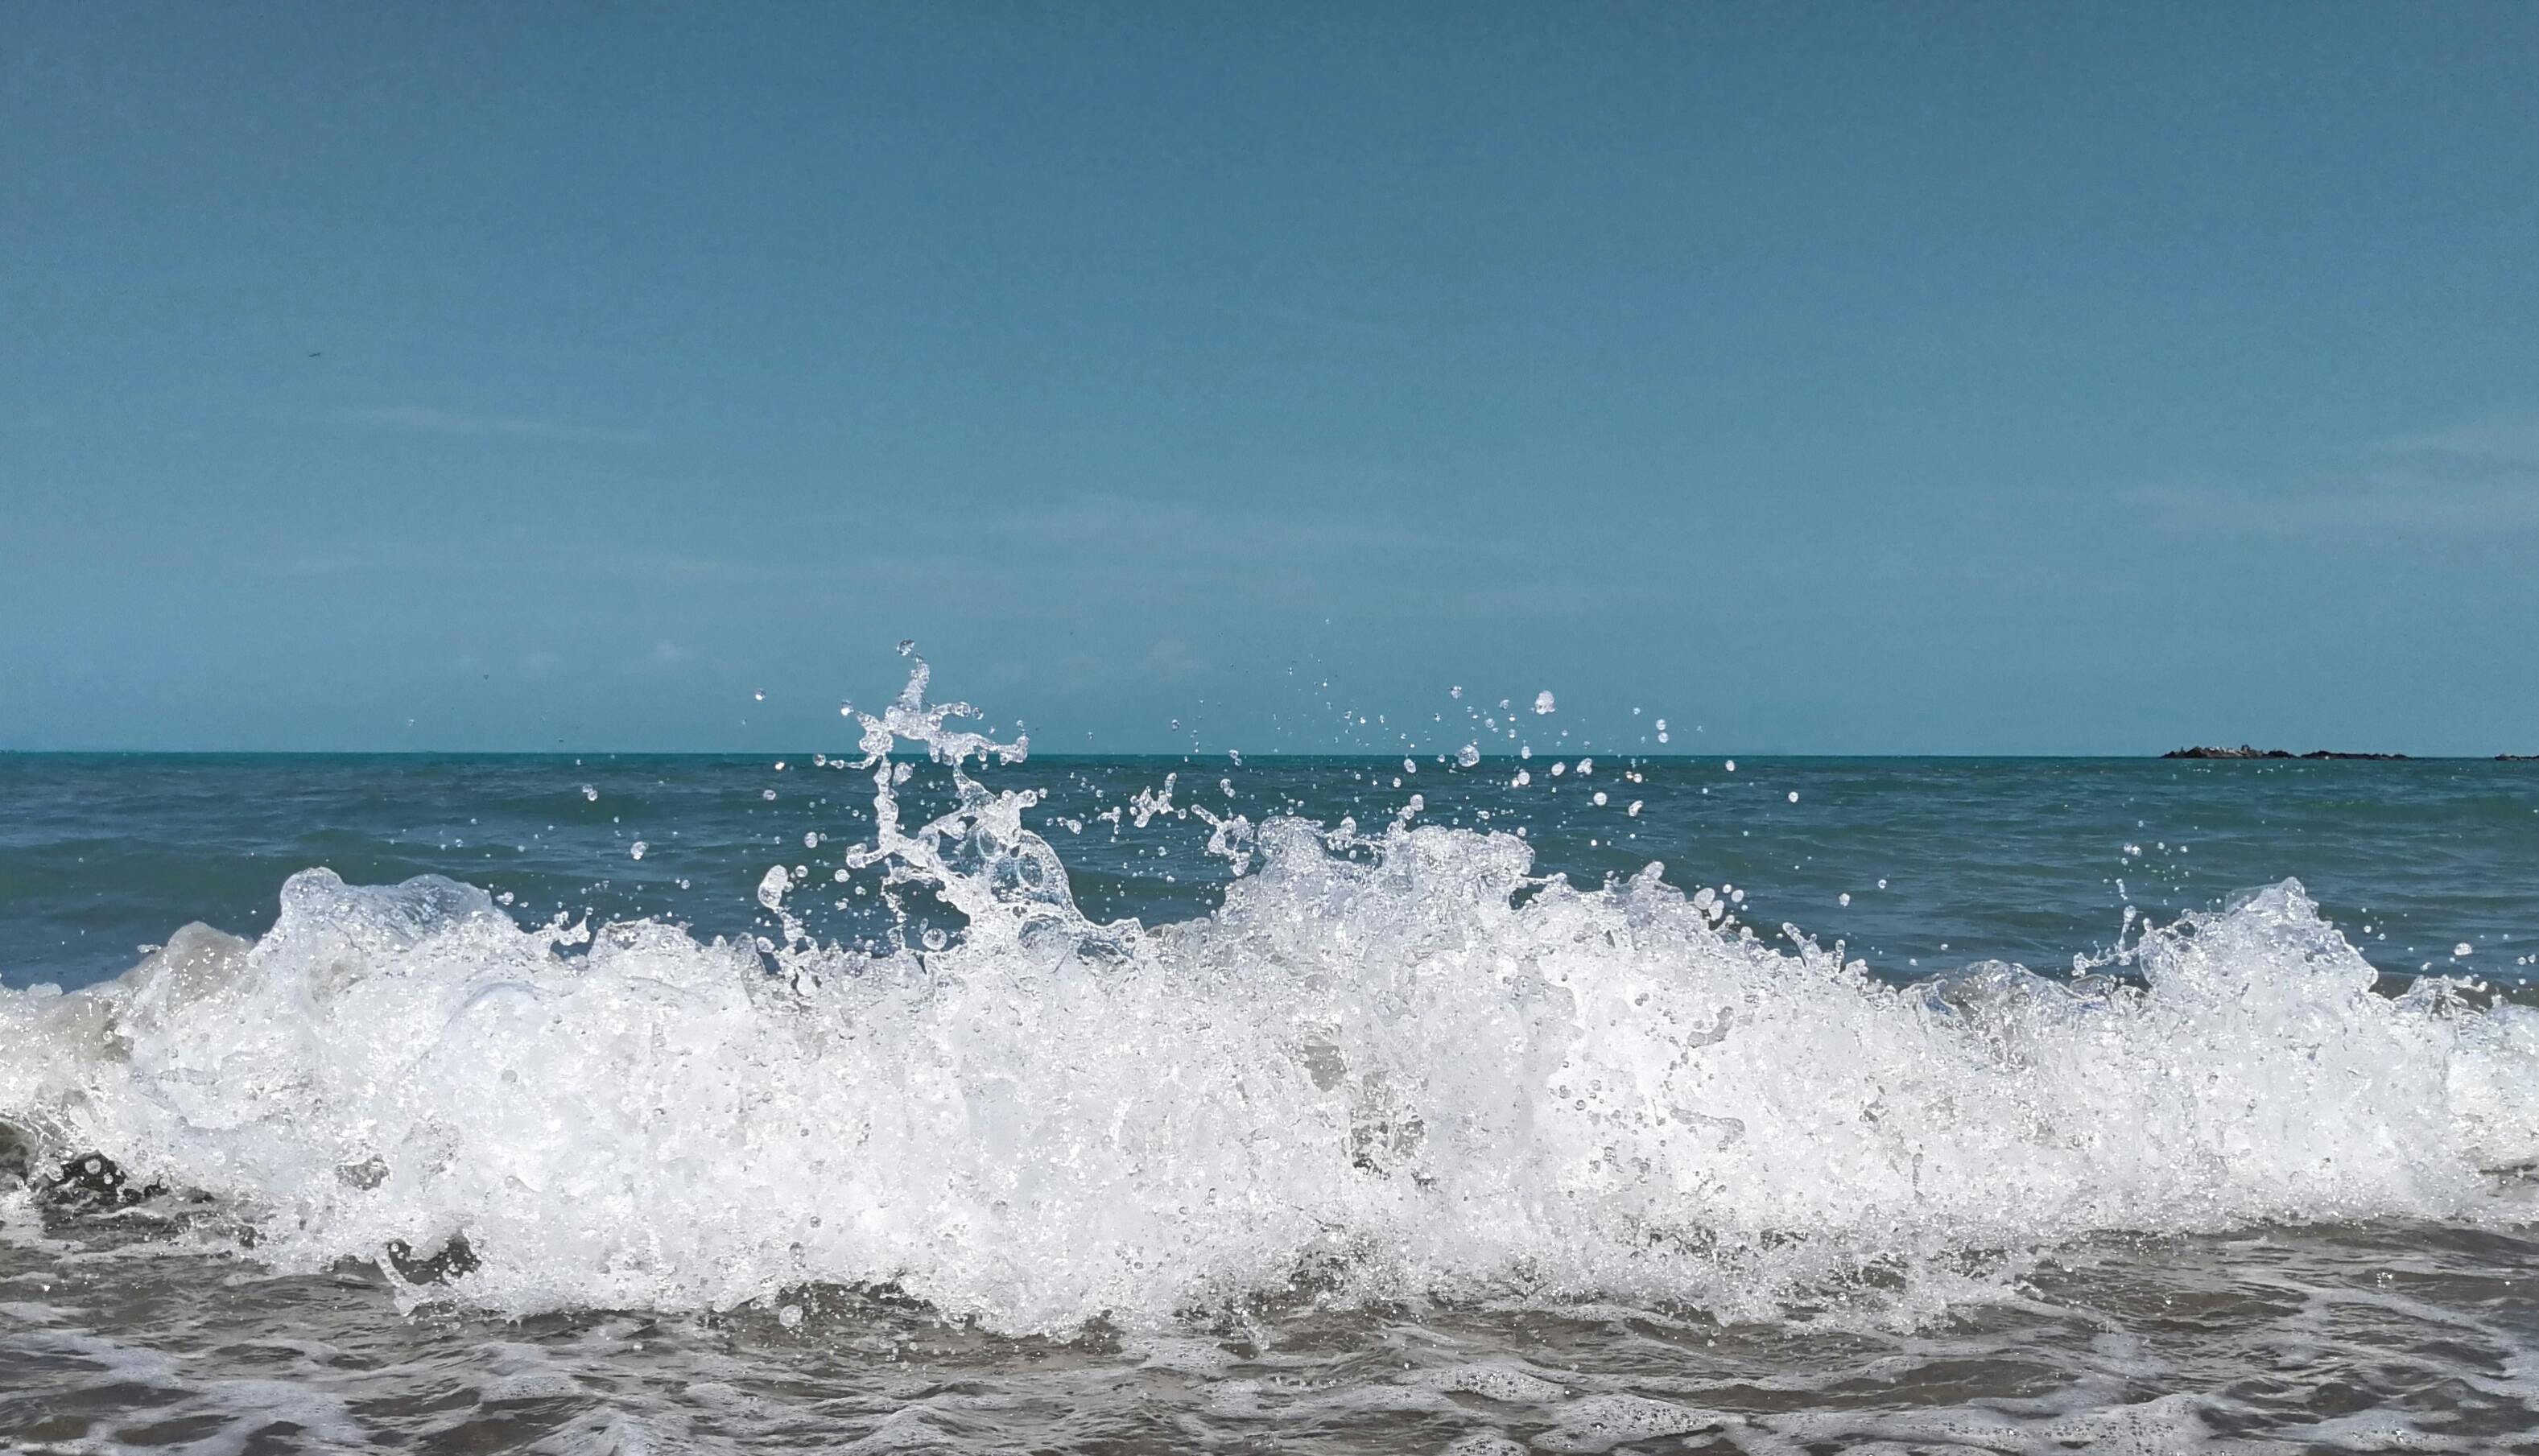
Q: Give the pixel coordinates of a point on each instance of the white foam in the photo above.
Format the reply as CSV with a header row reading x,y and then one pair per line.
x,y
1601,1423
1493,1381
1373,1069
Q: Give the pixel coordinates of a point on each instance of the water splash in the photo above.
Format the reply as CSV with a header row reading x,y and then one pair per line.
x,y
1392,1065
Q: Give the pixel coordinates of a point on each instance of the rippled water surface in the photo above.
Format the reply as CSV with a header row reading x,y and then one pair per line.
x,y
1943,861
2392,1338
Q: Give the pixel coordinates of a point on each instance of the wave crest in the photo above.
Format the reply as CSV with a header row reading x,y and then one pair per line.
x,y
1400,1063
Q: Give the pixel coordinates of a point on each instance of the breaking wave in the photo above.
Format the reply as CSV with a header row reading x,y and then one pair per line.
x,y
1392,1065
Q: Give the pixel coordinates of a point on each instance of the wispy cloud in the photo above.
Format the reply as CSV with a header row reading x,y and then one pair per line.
x,y
2478,477
424,420
2508,441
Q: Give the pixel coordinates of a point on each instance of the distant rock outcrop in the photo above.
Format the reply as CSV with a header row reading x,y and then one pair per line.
x,y
2516,758
2247,752
2243,751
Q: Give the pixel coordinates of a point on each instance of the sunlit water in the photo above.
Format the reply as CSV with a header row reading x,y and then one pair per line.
x,y
1188,1105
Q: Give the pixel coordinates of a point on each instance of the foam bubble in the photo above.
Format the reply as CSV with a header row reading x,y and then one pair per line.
x,y
1603,1421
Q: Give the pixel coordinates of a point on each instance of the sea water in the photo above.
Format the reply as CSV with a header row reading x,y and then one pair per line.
x,y
923,1093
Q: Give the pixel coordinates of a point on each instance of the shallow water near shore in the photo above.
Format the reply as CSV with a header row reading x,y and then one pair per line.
x,y
2386,1337
962,1101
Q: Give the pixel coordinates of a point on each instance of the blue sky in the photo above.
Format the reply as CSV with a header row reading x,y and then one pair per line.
x,y
1846,378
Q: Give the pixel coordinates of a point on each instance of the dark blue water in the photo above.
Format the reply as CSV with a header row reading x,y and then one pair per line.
x,y
1944,862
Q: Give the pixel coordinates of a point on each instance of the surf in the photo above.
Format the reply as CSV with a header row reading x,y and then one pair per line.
x,y
1394,1064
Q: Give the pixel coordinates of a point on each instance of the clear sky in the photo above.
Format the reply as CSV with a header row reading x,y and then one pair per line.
x,y
1846,377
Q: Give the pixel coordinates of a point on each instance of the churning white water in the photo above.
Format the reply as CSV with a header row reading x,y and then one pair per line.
x,y
1390,1065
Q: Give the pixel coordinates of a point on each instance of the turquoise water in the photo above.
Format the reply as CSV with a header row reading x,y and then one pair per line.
x,y
2026,860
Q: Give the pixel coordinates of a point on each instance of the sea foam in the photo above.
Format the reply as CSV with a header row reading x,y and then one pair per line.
x,y
1390,1065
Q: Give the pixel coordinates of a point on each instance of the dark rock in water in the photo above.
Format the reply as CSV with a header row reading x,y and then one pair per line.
x,y
92,1181
452,1260
2243,751
17,1159
2247,752
2516,758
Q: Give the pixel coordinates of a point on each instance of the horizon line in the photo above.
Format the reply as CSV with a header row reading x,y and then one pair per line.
x,y
1197,756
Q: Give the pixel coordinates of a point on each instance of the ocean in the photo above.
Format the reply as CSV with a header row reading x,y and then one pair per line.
x,y
920,1094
